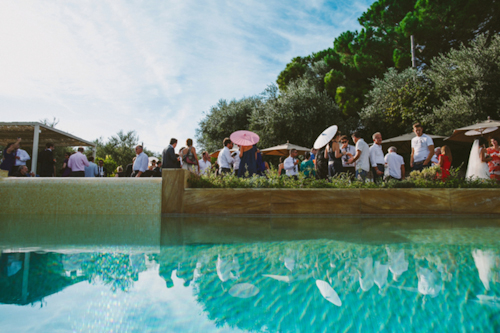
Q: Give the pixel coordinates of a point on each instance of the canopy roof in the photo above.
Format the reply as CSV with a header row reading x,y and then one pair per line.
x,y
459,133
217,152
403,142
284,150
9,132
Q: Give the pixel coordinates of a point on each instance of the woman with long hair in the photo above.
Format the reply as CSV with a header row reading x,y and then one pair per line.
x,y
66,170
445,160
189,158
334,156
494,164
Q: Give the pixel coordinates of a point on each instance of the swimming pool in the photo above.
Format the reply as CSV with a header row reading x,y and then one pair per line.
x,y
252,274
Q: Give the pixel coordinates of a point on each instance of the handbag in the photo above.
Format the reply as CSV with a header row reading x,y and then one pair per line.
x,y
187,159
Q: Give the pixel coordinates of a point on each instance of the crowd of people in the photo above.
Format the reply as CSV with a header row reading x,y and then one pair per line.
x,y
335,158
340,157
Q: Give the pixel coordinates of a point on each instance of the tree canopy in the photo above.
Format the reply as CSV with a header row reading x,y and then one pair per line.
x,y
365,81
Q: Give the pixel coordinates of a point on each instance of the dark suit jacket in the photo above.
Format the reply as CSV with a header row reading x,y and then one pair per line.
x,y
169,161
103,169
47,162
128,170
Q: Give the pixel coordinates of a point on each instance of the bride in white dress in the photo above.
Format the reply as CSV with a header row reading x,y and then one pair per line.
x,y
478,160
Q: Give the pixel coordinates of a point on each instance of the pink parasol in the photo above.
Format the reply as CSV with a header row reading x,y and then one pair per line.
x,y
244,138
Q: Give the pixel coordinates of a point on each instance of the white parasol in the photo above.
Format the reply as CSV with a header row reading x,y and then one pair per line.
x,y
325,137
481,131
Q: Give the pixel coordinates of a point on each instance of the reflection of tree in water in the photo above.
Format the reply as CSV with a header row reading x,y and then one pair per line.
x,y
377,284
27,278
113,269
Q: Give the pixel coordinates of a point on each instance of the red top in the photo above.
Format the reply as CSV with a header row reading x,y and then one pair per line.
x,y
494,164
445,169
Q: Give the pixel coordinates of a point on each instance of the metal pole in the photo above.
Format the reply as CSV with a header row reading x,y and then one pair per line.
x,y
26,275
412,51
34,159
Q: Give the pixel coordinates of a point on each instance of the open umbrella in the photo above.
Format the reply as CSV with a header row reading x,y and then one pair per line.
x,y
481,131
460,134
152,158
217,152
403,142
325,137
284,149
244,138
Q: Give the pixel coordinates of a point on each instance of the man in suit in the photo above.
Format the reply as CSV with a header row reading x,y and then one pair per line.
x,y
169,160
47,161
101,170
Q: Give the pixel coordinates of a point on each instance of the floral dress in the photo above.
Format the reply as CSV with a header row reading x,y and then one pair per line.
x,y
494,164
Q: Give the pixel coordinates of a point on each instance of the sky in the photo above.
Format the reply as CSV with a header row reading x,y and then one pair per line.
x,y
155,67
83,307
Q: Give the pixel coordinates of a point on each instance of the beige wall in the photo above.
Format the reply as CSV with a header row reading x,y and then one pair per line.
x,y
76,196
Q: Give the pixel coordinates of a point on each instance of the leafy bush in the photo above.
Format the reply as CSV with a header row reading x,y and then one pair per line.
x,y
416,179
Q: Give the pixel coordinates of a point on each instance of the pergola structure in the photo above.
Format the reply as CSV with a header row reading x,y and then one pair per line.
x,y
37,135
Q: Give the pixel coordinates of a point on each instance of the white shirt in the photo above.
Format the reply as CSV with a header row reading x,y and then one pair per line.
x,y
420,145
394,163
225,159
204,166
237,159
435,159
290,168
363,162
141,162
345,158
376,155
23,157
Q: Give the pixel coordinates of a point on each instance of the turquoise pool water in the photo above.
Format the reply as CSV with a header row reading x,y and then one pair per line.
x,y
147,274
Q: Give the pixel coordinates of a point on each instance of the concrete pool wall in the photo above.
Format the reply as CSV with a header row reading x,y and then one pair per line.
x,y
152,196
80,196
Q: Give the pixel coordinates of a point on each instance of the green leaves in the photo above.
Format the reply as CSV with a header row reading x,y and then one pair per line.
x,y
397,101
467,81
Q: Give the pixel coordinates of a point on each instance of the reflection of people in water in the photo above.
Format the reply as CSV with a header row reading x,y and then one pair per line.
x,y
166,270
428,282
227,268
485,262
366,274
397,262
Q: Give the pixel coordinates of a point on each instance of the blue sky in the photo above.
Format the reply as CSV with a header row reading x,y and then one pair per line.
x,y
152,66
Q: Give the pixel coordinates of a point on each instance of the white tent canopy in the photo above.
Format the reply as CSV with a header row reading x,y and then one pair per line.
x,y
37,135
284,149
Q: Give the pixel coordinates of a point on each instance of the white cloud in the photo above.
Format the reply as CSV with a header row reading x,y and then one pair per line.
x,y
153,67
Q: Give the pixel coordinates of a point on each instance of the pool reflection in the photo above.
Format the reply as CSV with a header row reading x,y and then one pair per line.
x,y
280,275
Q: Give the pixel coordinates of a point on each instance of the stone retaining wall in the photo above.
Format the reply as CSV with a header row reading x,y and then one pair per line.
x,y
413,202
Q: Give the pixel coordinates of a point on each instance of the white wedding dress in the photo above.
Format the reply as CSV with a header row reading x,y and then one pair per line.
x,y
476,168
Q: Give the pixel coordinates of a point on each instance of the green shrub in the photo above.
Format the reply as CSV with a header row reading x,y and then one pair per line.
x,y
416,179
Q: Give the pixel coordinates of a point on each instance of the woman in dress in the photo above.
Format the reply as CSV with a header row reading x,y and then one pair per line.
x,y
281,167
478,160
334,156
494,164
445,160
189,158
261,166
66,170
248,163
322,164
